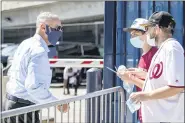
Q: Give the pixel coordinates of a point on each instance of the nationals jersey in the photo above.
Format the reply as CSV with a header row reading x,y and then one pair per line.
x,y
144,64
166,69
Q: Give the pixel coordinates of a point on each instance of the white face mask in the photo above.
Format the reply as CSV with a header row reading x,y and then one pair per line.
x,y
136,42
150,41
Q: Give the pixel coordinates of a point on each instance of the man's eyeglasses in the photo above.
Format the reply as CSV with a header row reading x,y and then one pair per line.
x,y
58,28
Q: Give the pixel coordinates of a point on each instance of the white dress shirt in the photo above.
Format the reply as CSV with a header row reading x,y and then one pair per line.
x,y
68,74
30,73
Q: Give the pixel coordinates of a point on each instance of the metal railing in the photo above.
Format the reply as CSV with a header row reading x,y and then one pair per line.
x,y
112,108
1,65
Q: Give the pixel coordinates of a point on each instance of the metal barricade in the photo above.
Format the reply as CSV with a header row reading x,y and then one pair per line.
x,y
1,91
77,112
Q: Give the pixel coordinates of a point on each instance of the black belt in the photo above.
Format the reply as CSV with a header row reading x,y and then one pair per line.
x,y
16,99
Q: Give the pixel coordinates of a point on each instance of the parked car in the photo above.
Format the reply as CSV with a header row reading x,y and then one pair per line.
x,y
8,52
4,45
75,50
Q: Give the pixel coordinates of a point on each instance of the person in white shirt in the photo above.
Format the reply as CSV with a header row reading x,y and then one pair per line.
x,y
162,96
71,76
30,73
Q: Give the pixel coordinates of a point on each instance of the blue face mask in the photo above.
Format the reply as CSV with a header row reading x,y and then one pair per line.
x,y
53,35
136,42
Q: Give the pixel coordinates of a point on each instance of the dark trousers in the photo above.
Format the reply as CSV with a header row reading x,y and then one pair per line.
x,y
9,104
77,84
67,85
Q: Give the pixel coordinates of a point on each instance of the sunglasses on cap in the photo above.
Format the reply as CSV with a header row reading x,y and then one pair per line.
x,y
137,33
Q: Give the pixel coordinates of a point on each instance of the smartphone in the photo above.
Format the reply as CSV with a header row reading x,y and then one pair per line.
x,y
116,68
111,70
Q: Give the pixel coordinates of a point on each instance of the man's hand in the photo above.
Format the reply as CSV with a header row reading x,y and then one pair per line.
x,y
125,76
137,72
139,96
64,108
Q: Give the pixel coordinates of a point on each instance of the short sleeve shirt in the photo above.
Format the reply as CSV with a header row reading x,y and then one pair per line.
x,y
166,69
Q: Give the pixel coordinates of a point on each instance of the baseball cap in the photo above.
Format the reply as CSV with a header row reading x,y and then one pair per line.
x,y
137,25
161,18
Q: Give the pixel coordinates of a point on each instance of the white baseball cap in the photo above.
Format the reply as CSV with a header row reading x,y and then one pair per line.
x,y
137,25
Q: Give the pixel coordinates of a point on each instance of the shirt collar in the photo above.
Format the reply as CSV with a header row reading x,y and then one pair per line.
x,y
43,43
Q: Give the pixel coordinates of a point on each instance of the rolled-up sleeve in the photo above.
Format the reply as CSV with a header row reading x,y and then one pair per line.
x,y
38,79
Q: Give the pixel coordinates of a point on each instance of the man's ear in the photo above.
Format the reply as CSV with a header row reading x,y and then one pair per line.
x,y
42,27
158,29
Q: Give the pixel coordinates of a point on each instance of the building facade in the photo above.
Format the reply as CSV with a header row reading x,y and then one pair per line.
x,y
82,21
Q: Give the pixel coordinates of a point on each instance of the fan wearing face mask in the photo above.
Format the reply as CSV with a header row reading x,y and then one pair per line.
x,y
162,96
139,40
